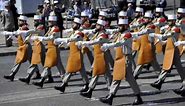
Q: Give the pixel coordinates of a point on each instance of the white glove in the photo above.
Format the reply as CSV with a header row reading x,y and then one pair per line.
x,y
86,44
107,46
156,23
152,35
104,47
159,36
34,38
40,38
178,43
135,35
79,44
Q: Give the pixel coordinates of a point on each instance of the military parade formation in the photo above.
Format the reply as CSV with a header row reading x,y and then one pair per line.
x,y
141,39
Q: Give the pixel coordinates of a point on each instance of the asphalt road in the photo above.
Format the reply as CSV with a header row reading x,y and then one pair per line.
x,y
19,94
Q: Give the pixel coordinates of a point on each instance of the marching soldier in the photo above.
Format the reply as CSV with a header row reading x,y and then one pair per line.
x,y
99,57
123,64
75,59
38,54
159,21
24,50
146,53
85,21
135,25
103,16
171,56
86,25
53,53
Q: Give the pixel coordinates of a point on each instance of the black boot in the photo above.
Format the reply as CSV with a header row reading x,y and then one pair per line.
x,y
183,92
108,99
37,75
178,91
10,77
26,79
157,84
138,100
148,67
87,94
136,77
85,88
89,73
49,79
61,87
40,83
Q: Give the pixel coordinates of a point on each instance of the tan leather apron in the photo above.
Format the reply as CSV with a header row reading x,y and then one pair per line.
x,y
74,63
22,54
51,55
169,54
145,54
99,67
119,70
37,52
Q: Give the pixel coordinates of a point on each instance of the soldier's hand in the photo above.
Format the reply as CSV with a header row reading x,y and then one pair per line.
x,y
178,43
104,47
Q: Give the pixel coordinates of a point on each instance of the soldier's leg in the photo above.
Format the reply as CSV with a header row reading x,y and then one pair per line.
x,y
66,78
64,82
46,72
114,87
29,49
85,79
84,75
109,58
92,85
137,71
156,66
158,83
59,65
131,80
181,71
133,63
93,82
14,70
178,65
113,90
90,57
32,68
134,54
43,54
108,77
133,83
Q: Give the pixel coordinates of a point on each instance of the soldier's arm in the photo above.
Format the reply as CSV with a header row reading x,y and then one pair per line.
x,y
67,31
